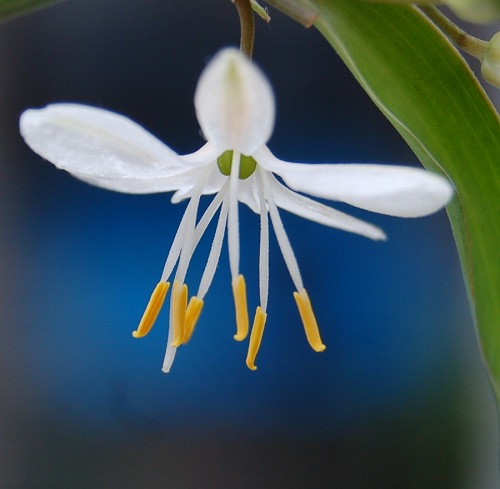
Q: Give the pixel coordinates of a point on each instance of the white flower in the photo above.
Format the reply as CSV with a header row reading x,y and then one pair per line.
x,y
235,108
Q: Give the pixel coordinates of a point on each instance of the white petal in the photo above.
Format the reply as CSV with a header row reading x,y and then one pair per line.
x,y
393,190
314,211
206,154
182,182
99,146
234,103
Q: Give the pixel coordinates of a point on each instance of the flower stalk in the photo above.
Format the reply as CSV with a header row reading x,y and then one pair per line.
x,y
467,43
487,52
247,24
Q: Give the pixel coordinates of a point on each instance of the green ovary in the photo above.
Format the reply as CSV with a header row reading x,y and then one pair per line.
x,y
247,164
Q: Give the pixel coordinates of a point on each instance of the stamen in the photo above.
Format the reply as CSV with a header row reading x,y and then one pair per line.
x,y
179,305
264,244
188,245
209,213
175,249
183,245
256,337
309,320
233,237
193,312
240,304
152,310
215,250
281,236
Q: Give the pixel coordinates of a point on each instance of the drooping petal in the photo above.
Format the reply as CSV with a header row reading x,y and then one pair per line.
x,y
100,147
393,190
234,103
322,214
206,154
182,183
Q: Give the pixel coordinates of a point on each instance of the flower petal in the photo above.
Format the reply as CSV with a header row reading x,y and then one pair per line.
x,y
206,154
180,182
234,103
393,190
322,214
99,146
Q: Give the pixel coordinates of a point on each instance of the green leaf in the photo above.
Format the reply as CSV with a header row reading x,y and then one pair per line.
x,y
10,8
423,86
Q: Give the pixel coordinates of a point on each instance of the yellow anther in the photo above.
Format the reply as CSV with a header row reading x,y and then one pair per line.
x,y
240,304
179,305
308,320
193,312
152,310
256,337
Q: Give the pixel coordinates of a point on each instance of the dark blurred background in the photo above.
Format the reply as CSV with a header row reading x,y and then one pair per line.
x,y
399,399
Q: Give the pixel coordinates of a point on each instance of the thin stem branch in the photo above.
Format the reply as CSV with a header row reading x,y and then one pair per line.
x,y
247,23
470,44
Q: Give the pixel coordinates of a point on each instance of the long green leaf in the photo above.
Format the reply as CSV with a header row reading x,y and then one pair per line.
x,y
423,86
10,8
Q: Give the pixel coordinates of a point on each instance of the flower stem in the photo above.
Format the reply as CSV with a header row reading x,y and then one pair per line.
x,y
470,44
247,23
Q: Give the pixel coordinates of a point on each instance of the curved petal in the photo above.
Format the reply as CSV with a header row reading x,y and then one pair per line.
x,y
206,154
322,214
97,145
234,103
181,182
393,190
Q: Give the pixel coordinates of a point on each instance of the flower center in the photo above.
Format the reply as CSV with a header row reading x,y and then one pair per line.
x,y
247,164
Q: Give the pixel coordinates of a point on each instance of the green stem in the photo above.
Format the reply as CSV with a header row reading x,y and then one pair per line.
x,y
470,44
247,23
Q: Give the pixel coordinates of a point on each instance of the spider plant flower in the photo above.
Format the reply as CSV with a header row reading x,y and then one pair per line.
x,y
235,108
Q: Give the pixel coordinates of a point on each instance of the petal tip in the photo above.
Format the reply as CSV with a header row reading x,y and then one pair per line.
x,y
235,103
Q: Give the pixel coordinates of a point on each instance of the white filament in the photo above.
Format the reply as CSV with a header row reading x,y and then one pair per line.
x,y
264,244
233,237
170,352
184,231
189,242
176,247
281,236
209,213
215,250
